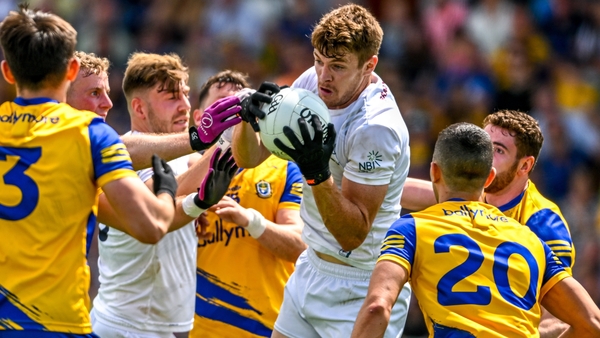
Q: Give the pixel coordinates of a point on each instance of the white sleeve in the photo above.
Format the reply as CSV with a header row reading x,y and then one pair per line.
x,y
374,150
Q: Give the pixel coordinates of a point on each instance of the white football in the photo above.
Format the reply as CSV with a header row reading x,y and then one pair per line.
x,y
287,106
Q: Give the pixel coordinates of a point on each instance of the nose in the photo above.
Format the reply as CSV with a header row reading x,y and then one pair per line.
x,y
106,103
324,74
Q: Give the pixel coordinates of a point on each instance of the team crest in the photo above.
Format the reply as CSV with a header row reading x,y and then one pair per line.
x,y
263,189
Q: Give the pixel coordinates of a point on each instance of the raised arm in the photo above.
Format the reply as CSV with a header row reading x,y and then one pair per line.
x,y
248,149
187,208
141,147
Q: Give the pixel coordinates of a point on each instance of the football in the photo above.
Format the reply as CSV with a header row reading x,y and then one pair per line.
x,y
287,106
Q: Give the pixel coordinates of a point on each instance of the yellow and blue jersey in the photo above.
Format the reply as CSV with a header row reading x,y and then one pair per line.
x,y
245,302
475,271
53,158
545,219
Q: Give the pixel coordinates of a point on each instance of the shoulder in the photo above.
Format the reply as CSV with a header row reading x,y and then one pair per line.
x,y
308,80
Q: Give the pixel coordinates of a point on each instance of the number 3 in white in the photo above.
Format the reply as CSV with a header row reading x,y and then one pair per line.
x,y
473,262
16,177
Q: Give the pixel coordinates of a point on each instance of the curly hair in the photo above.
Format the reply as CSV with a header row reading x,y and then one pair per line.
x,y
524,128
92,64
145,70
348,29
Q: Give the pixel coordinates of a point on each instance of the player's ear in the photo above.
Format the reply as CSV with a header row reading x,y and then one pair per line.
x,y
435,174
138,107
370,65
196,116
525,165
7,73
490,178
72,69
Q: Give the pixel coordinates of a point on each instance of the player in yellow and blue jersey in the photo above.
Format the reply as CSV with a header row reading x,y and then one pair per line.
x,y
474,271
53,158
258,227
517,140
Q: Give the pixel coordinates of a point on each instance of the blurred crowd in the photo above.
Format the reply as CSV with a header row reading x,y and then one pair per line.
x,y
444,60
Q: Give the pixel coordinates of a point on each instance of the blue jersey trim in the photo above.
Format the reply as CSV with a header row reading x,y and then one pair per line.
x,y
208,289
91,226
34,101
548,226
43,334
552,266
10,312
293,176
405,228
102,137
512,203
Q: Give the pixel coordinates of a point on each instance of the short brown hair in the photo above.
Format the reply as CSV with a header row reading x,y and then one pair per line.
x,y
145,70
226,76
524,128
92,64
348,29
37,46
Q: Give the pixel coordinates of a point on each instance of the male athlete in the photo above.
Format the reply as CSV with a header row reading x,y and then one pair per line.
x,y
475,271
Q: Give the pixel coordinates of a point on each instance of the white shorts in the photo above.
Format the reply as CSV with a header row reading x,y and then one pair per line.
x,y
322,299
106,330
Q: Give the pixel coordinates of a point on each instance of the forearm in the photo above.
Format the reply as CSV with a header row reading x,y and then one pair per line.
x,y
190,180
550,326
417,195
247,148
283,240
167,146
344,220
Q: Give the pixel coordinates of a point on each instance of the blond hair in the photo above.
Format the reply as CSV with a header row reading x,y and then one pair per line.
x,y
92,64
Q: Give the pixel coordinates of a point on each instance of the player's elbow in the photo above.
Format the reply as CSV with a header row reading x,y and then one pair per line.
x,y
378,308
150,233
353,242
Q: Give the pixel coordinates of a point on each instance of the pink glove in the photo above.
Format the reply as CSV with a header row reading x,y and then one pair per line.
x,y
219,116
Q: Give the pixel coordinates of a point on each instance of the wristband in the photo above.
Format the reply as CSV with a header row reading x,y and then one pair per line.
x,y
190,208
257,225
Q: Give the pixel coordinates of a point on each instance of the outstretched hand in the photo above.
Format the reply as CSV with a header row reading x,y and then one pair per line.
x,y
251,104
311,155
216,182
215,119
163,178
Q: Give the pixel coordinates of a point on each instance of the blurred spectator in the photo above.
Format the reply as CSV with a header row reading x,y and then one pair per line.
x,y
490,24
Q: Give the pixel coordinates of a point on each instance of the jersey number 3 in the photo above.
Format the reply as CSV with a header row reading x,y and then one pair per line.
x,y
473,262
15,176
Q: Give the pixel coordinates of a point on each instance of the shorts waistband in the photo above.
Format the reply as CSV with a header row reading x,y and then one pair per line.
x,y
337,270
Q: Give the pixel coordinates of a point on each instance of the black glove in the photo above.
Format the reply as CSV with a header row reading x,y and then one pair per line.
x,y
251,105
312,157
164,178
216,182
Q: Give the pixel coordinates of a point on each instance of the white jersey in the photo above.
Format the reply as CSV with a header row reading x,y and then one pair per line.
x,y
148,287
372,149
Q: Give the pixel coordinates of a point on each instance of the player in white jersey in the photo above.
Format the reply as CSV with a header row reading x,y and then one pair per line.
x,y
148,290
353,181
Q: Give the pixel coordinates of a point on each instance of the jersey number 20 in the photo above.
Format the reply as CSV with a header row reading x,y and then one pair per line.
x,y
473,262
30,194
